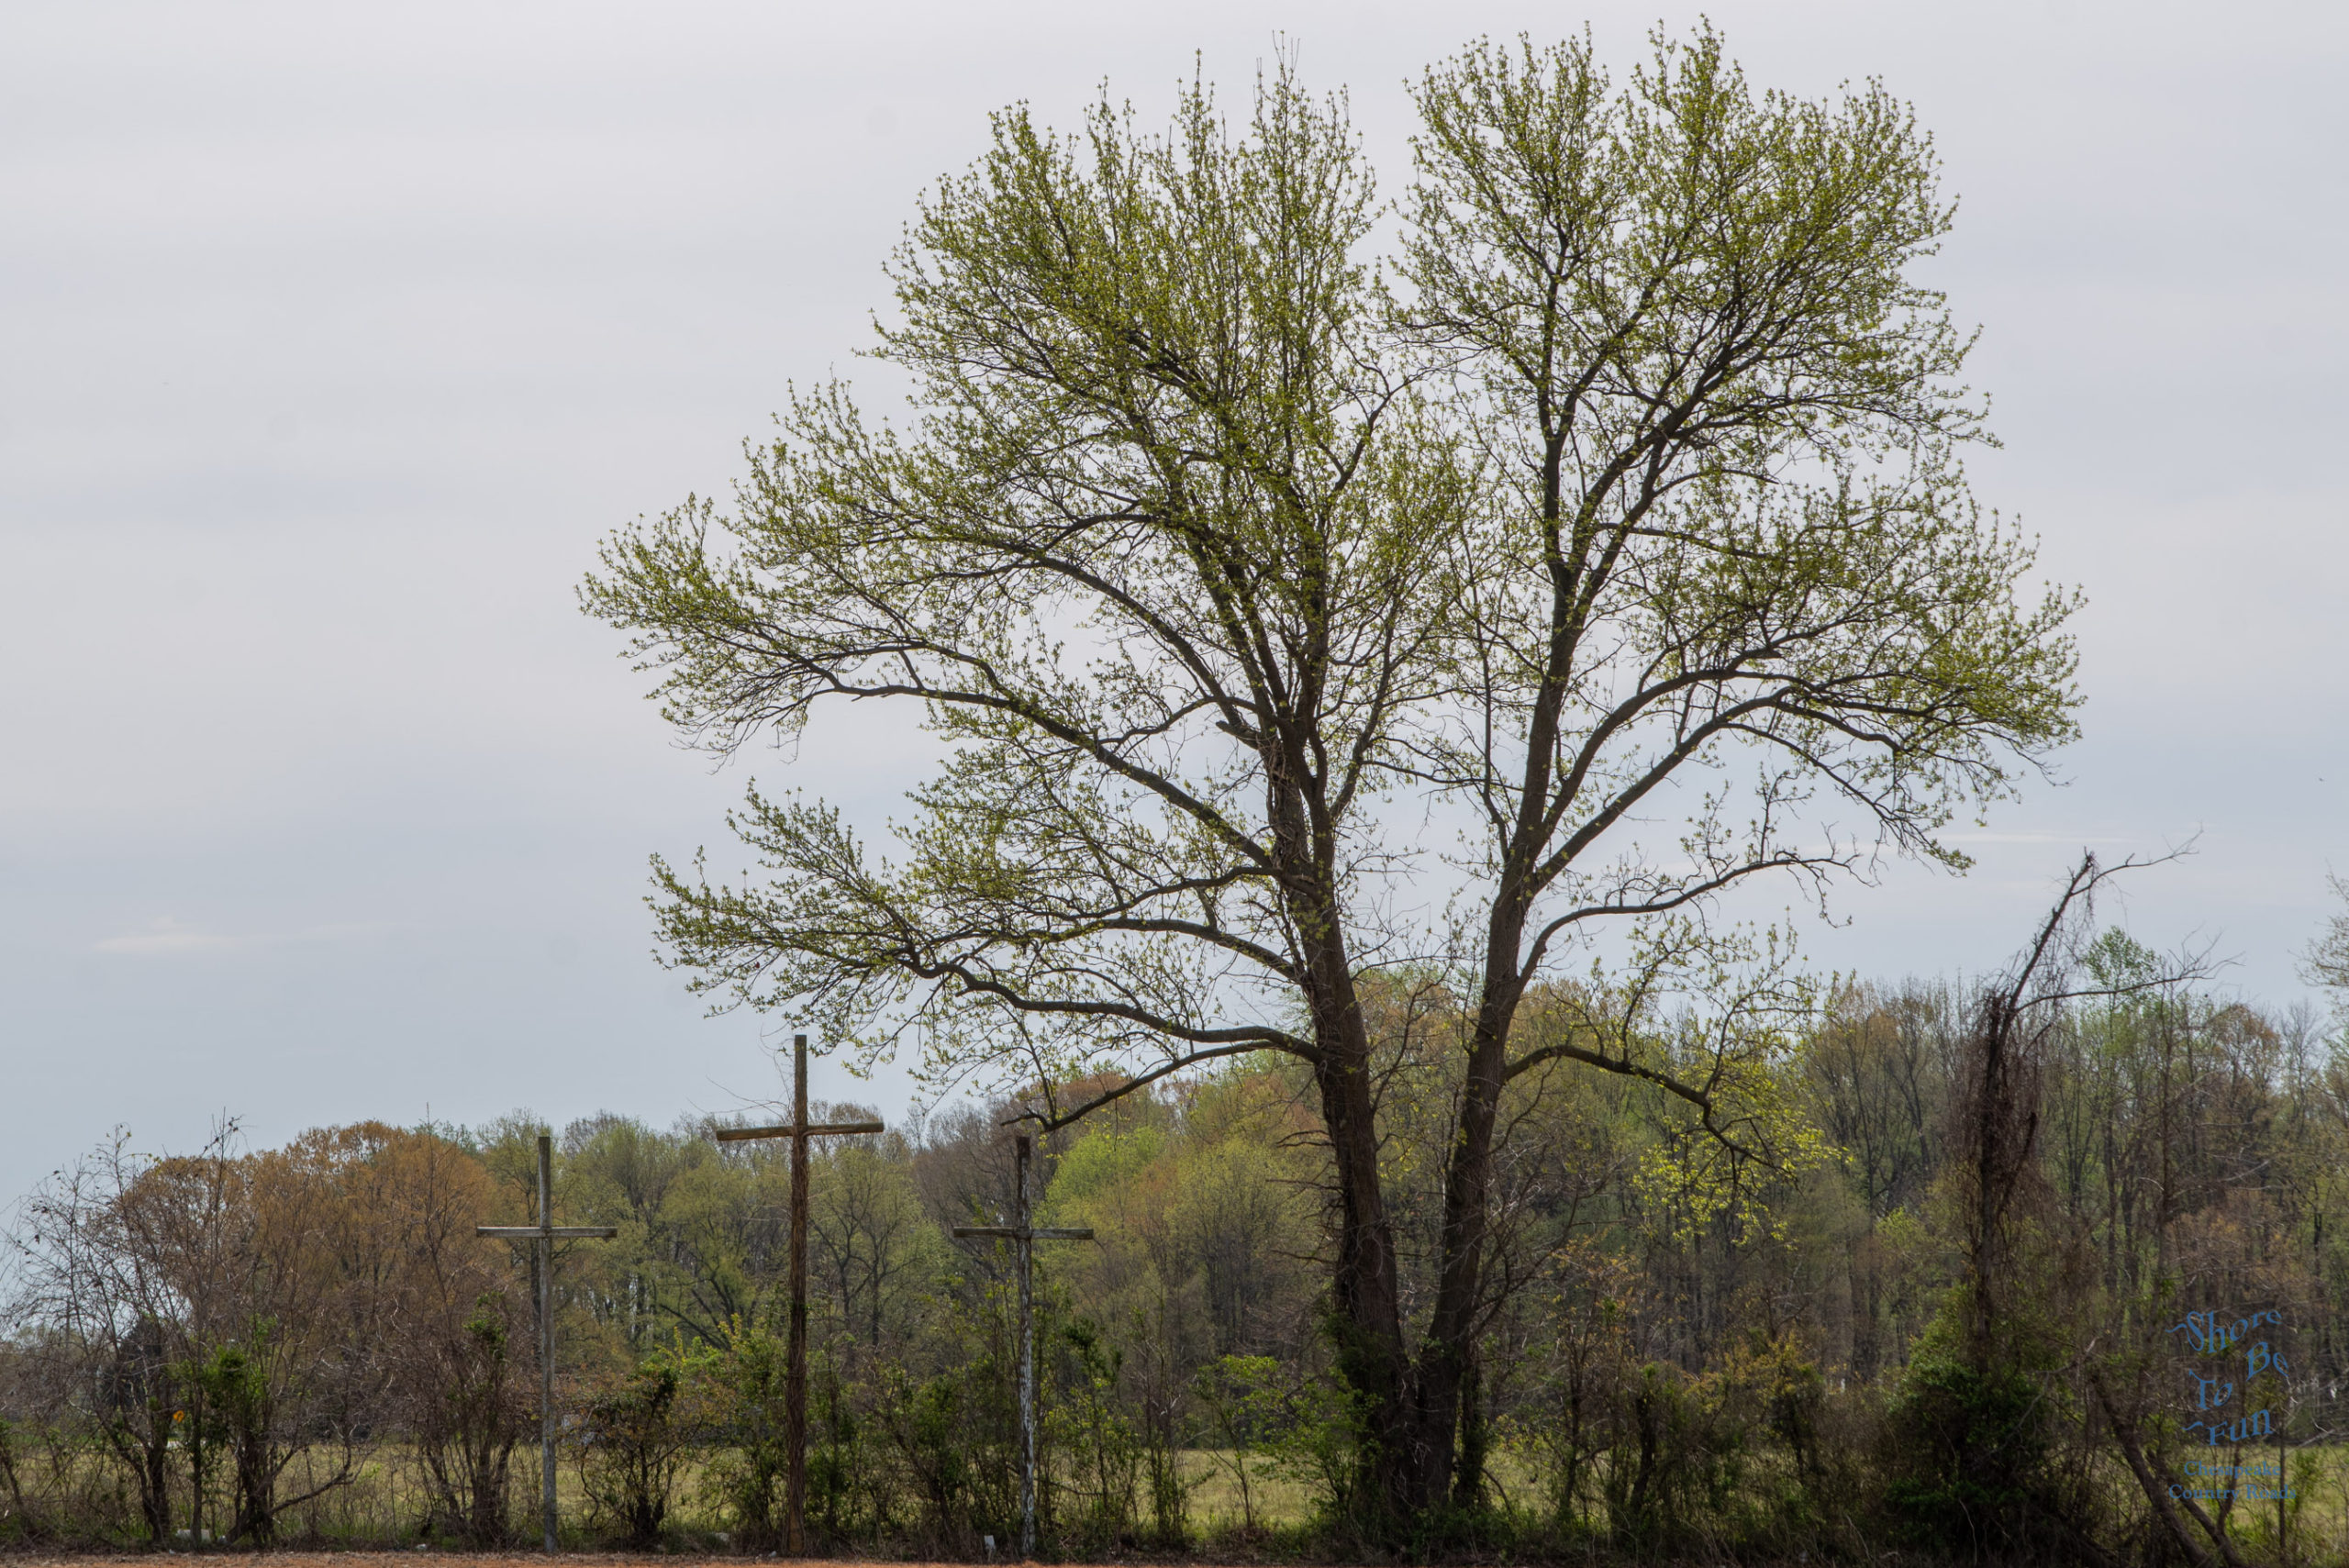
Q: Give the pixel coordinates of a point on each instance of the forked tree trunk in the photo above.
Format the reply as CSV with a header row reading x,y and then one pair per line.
x,y
1412,1409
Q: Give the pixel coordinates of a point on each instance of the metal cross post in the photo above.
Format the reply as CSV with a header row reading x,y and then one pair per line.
x,y
545,1234
1024,1236
794,1376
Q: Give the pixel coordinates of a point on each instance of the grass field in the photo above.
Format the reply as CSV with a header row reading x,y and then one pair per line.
x,y
387,1503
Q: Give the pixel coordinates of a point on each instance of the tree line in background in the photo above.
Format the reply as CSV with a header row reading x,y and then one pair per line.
x,y
1950,1332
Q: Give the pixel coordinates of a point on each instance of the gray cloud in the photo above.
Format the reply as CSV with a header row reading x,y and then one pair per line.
x,y
335,337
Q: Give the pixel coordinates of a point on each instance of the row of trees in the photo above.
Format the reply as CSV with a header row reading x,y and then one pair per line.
x,y
1952,1330
222,1337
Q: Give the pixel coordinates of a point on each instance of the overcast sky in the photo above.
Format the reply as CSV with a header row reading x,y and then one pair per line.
x,y
333,337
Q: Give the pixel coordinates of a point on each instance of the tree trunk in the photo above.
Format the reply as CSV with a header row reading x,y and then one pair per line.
x,y
1447,1355
1468,1475
1447,1358
155,1477
1448,1352
1367,1304
1366,1315
1366,1308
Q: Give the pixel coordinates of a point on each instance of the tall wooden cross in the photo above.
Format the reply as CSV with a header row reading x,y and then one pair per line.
x,y
1023,1237
545,1234
795,1375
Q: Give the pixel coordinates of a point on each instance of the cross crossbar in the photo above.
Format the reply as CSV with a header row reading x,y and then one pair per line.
x,y
1030,1233
554,1232
813,1130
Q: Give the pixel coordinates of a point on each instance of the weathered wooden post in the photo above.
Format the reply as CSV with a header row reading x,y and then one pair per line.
x,y
544,1235
1024,1236
794,1376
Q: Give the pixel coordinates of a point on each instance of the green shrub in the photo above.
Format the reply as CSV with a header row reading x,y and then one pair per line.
x,y
634,1443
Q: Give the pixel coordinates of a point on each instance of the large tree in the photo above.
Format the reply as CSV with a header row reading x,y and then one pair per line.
x,y
1622,539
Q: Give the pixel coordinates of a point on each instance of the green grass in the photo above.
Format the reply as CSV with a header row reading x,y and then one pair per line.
x,y
387,1503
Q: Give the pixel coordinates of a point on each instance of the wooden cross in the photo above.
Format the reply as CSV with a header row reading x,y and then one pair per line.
x,y
545,1234
1024,1236
795,1375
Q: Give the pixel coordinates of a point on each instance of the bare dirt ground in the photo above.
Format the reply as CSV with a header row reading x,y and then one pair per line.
x,y
413,1560
416,1558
